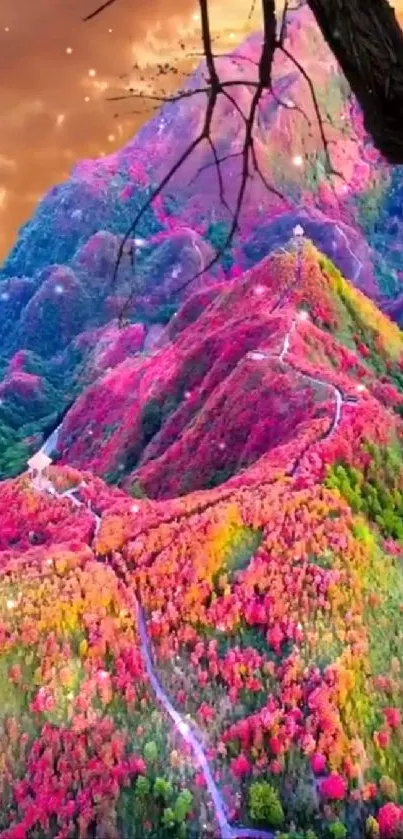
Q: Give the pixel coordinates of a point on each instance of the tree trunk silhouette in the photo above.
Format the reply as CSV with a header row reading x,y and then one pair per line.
x,y
366,39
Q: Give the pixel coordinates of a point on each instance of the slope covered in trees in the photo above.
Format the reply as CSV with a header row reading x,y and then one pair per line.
x,y
58,300
227,663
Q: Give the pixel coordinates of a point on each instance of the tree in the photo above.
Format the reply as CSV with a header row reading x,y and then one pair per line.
x,y
366,39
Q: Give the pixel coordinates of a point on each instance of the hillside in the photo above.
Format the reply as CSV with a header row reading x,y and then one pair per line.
x,y
58,304
227,663
249,371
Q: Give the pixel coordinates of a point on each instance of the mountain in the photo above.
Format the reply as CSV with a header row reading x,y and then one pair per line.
x,y
58,300
201,597
215,648
170,420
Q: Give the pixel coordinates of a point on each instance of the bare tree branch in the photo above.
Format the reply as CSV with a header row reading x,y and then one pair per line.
x,y
99,10
367,41
325,12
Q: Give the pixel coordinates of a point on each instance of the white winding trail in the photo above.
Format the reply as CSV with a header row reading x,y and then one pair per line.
x,y
355,257
260,355
338,396
197,249
188,734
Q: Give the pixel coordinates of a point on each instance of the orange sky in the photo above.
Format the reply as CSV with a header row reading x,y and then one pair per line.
x,y
53,112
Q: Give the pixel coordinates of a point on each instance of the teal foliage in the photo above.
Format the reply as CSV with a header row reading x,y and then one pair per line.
x,y
217,234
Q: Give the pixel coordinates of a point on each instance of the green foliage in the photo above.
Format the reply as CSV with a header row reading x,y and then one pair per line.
x,y
137,491
245,546
264,804
337,830
297,834
151,420
369,203
14,454
183,805
377,492
151,752
162,789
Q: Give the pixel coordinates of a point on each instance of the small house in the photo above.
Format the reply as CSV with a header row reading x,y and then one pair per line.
x,y
37,465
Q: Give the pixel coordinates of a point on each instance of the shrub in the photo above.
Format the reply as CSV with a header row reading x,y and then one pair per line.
x,y
265,805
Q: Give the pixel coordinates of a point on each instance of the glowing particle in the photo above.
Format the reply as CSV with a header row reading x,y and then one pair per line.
x,y
196,16
11,604
59,289
110,31
69,50
221,446
111,138
259,290
86,98
4,296
257,356
303,315
92,72
103,674
232,35
6,28
298,160
60,119
135,508
360,388
49,562
188,394
298,230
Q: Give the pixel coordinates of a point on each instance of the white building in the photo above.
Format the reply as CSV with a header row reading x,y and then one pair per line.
x,y
37,465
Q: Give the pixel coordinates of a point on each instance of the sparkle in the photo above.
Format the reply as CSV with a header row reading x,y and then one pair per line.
x,y
4,296
196,16
6,28
92,72
86,98
259,290
135,508
60,119
221,446
111,138
110,31
11,604
298,160
103,674
59,289
303,315
69,50
360,388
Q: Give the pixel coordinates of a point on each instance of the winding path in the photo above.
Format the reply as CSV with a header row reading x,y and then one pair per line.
x,y
187,732
260,355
